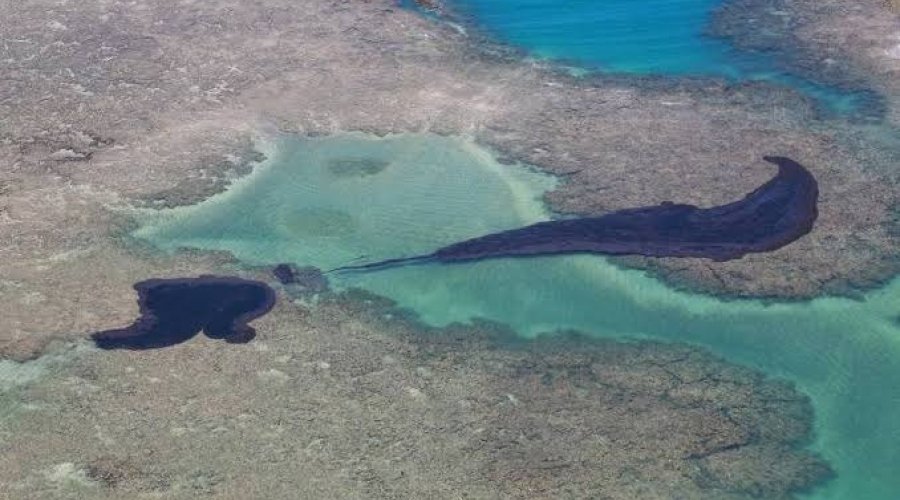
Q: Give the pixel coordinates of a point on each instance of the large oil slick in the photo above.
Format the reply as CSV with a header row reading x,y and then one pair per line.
x,y
772,216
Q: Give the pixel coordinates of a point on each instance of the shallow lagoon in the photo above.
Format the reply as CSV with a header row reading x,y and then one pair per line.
x,y
428,191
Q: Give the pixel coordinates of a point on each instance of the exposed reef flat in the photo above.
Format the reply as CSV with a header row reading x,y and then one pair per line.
x,y
772,216
371,405
174,310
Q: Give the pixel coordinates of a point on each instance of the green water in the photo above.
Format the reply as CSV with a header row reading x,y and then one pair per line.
x,y
412,193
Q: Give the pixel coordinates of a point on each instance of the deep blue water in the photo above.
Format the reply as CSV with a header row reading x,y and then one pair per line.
x,y
665,37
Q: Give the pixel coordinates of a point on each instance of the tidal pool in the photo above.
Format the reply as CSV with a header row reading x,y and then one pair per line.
x,y
436,190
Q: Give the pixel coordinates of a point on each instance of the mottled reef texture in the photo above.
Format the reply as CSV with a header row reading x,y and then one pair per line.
x,y
350,400
112,104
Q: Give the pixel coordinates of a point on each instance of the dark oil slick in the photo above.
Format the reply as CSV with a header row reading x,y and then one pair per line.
x,y
174,310
306,279
772,216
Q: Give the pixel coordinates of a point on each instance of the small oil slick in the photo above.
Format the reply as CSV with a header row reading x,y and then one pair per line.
x,y
175,310
306,279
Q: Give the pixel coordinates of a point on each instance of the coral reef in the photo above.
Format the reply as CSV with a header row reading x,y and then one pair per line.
x,y
160,104
352,399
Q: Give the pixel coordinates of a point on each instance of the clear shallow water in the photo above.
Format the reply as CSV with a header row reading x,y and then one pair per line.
x,y
432,191
647,37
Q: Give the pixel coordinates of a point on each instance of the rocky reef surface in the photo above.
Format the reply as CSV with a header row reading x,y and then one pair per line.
x,y
353,399
851,44
112,105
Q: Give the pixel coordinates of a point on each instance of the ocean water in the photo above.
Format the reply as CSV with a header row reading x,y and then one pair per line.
x,y
413,193
666,37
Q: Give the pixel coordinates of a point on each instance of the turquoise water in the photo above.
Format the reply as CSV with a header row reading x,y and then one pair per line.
x,y
303,207
646,37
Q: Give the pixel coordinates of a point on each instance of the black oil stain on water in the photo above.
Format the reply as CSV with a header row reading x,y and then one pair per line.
x,y
175,310
772,216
